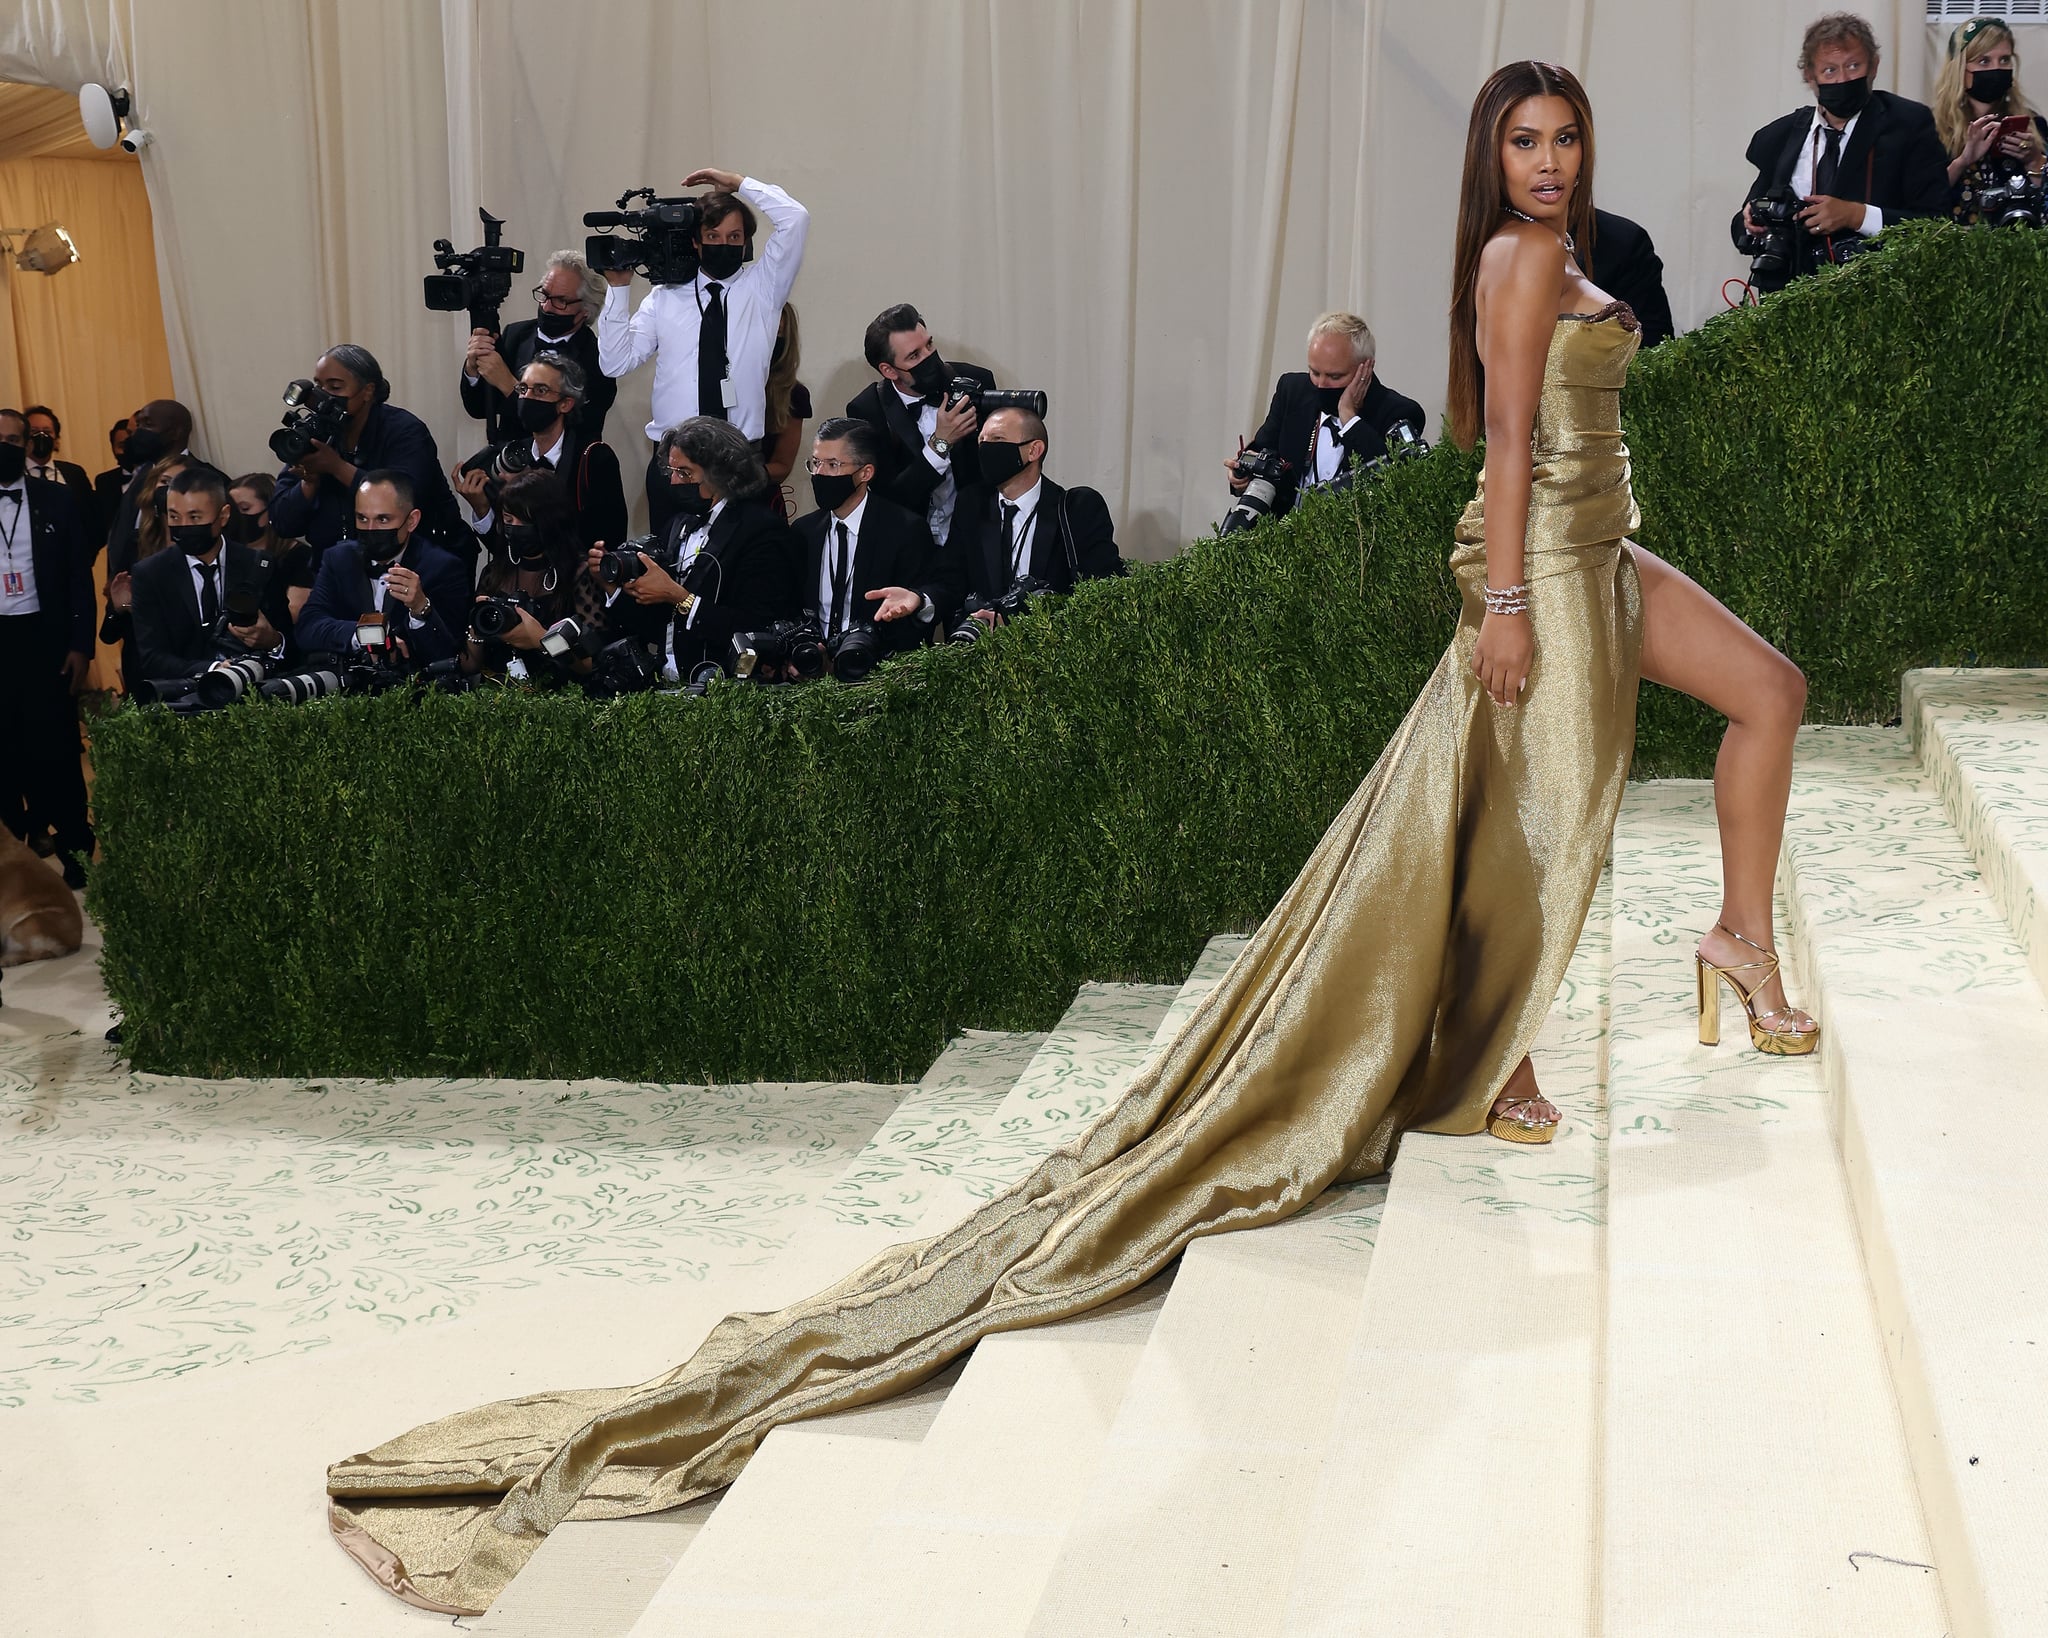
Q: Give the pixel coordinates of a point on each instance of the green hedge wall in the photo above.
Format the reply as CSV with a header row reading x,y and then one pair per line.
x,y
829,882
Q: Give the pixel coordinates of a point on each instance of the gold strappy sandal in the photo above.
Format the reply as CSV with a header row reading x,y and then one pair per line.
x,y
1772,1032
1511,1122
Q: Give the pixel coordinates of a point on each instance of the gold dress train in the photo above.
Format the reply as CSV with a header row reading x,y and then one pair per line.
x,y
1395,986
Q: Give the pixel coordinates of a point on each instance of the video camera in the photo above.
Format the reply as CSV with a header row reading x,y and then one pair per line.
x,y
660,239
478,280
310,415
1266,470
1005,605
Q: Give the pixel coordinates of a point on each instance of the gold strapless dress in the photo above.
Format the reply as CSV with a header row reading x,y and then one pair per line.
x,y
1395,986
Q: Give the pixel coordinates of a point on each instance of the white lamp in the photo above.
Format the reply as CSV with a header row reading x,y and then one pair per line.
x,y
102,111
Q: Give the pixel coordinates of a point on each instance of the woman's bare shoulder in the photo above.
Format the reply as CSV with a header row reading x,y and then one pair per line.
x,y
1524,258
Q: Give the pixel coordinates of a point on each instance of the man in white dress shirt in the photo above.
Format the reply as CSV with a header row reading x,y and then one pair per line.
x,y
712,339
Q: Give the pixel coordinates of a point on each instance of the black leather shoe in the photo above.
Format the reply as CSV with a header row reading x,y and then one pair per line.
x,y
74,872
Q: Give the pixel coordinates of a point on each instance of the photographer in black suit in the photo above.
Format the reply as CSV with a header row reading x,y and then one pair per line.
x,y
205,598
388,582
1021,524
735,557
1857,161
931,454
863,556
45,438
568,298
46,634
549,438
1626,265
1336,413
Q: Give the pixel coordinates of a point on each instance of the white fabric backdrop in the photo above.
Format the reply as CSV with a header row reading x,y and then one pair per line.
x,y
1137,206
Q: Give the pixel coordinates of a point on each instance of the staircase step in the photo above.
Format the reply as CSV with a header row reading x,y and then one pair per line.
x,y
1982,740
1757,1480
1468,1391
1935,1034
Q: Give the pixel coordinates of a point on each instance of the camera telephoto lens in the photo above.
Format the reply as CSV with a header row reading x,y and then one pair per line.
x,y
306,685
228,681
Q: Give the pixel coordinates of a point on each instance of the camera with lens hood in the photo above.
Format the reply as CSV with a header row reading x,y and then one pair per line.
x,y
1265,471
1012,601
310,416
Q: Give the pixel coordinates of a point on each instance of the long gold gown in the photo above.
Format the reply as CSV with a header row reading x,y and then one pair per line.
x,y
1395,986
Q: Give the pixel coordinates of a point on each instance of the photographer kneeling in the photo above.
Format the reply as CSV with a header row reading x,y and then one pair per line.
x,y
1830,176
730,559
529,583
315,495
1022,531
1334,414
550,391
865,559
205,598
388,592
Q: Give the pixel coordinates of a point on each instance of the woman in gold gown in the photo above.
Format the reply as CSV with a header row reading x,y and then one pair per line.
x,y
1397,985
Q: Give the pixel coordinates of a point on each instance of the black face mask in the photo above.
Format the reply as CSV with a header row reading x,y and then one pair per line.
x,y
832,490
689,499
244,527
1990,85
929,374
1000,462
522,541
536,415
1327,399
144,447
382,545
13,463
41,446
558,325
193,539
720,261
1845,98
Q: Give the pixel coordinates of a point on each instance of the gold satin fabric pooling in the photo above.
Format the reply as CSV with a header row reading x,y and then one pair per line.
x,y
1394,987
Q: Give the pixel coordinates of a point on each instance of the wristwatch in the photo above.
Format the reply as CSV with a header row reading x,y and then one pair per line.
x,y
941,447
687,601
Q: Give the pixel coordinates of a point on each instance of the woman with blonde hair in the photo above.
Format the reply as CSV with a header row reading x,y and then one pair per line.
x,y
789,407
1978,89
1397,986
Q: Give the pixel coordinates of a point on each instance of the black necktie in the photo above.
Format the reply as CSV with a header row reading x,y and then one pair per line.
x,y
209,598
1010,536
1830,161
711,355
842,565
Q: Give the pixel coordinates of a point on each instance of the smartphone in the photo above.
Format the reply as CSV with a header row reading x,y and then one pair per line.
x,y
2014,125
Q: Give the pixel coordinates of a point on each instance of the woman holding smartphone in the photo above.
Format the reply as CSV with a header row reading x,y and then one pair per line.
x,y
1986,123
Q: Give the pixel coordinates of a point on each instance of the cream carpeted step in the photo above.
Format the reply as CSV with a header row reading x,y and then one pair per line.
x,y
1756,1474
1982,740
742,1577
1936,1038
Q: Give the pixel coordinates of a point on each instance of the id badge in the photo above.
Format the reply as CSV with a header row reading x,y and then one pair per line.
x,y
14,582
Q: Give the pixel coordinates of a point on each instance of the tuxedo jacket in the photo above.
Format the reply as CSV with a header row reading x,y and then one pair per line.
x,y
341,592
1893,160
1072,540
906,477
746,578
60,549
74,478
170,638
1291,422
517,346
894,549
1626,265
106,501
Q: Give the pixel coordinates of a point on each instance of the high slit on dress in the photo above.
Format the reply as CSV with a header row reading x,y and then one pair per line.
x,y
1395,987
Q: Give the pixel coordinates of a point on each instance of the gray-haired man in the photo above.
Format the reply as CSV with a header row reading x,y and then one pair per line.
x,y
567,299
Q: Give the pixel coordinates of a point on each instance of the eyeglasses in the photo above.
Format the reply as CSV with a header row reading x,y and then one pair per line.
x,y
561,304
534,390
831,467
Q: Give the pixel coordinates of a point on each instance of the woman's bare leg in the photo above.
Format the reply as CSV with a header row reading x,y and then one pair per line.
x,y
1693,644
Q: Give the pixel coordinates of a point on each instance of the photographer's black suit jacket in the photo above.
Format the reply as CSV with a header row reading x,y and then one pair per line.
x,y
392,437
1893,160
60,547
170,639
895,549
1626,265
906,477
746,576
1291,421
1072,540
341,592
517,345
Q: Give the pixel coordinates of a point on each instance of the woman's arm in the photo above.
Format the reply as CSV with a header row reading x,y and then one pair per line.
x,y
1521,280
782,458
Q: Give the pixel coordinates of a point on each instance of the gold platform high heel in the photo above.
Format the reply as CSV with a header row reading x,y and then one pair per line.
x,y
1772,1032
1512,1127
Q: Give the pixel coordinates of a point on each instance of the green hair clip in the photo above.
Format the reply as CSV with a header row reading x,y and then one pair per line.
x,y
1961,38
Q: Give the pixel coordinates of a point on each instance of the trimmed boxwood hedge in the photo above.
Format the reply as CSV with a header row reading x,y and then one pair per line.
x,y
828,882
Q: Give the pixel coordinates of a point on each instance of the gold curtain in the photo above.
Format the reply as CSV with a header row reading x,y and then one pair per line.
x,y
87,341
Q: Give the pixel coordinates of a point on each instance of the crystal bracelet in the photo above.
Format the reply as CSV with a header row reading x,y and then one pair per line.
x,y
1507,599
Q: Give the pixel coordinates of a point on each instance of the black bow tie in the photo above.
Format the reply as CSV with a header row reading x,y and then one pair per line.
x,y
12,494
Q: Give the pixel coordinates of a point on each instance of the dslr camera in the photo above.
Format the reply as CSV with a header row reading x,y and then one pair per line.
x,y
498,462
1778,233
490,618
1266,470
621,563
660,240
987,400
2011,201
1006,605
856,651
478,281
310,416
762,655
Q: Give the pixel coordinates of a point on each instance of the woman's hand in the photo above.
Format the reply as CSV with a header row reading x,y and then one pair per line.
x,y
1977,143
1505,652
526,635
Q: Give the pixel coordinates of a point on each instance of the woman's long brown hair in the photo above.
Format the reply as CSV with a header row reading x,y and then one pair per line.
x,y
1482,201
